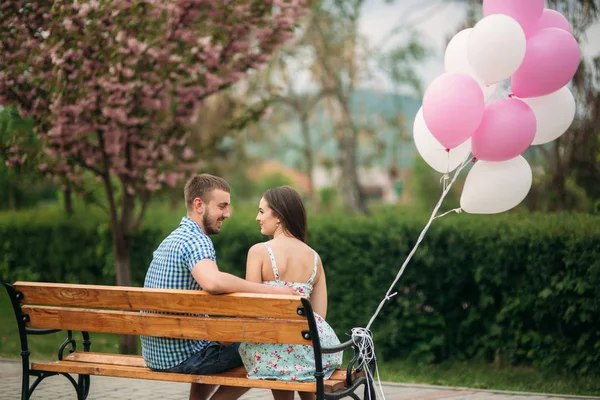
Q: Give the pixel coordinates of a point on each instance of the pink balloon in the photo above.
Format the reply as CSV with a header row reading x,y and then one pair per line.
x,y
452,108
551,60
507,129
526,12
550,19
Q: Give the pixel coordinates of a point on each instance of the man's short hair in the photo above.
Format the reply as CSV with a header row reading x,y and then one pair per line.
x,y
201,185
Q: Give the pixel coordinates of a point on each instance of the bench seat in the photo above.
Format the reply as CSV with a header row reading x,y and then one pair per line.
x,y
125,366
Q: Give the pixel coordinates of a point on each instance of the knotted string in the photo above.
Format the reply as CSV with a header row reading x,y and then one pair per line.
x,y
363,341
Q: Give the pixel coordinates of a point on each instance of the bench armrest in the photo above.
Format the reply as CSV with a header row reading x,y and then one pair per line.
x,y
336,349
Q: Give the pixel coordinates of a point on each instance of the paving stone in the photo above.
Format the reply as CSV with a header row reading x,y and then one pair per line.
x,y
106,388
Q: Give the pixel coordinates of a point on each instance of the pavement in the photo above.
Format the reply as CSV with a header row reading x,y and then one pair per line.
x,y
106,388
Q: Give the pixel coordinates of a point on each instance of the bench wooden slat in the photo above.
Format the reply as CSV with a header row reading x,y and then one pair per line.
x,y
227,378
174,326
160,300
138,361
105,358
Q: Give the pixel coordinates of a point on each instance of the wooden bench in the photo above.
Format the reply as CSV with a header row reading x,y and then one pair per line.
x,y
44,308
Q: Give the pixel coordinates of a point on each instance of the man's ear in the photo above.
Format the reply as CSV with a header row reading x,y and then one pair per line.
x,y
198,205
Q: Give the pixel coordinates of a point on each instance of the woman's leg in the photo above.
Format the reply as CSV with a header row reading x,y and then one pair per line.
x,y
229,393
201,391
307,396
282,394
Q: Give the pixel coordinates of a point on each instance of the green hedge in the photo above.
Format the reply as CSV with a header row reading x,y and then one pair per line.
x,y
524,289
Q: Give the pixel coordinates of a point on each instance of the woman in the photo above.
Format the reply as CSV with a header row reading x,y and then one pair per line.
x,y
287,260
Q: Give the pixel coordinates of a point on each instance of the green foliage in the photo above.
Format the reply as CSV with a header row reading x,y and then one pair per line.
x,y
329,197
21,185
508,288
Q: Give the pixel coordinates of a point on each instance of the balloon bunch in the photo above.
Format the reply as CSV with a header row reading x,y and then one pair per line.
x,y
462,112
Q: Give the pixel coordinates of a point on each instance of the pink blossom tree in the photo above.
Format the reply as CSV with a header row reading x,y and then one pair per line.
x,y
112,85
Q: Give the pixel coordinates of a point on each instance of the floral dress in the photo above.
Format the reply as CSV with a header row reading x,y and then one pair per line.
x,y
290,362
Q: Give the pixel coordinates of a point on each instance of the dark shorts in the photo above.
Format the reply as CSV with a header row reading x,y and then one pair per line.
x,y
213,359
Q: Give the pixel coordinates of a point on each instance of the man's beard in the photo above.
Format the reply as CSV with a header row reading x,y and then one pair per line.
x,y
210,225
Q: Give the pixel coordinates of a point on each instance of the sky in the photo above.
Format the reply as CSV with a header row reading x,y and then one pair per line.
x,y
435,21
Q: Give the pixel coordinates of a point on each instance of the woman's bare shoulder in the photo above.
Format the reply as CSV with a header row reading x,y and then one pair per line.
x,y
257,249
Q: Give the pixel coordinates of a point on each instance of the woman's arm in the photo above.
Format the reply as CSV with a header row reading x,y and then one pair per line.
x,y
318,297
254,263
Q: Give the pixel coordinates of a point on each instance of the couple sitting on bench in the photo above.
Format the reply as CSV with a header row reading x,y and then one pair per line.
x,y
284,265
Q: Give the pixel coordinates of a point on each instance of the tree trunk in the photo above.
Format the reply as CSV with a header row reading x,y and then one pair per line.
x,y
559,184
559,179
121,248
351,192
14,186
309,161
121,238
12,197
68,200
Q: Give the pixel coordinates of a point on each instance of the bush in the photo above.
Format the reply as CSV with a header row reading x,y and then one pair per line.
x,y
521,289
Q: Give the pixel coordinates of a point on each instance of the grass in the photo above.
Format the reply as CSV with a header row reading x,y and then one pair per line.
x,y
470,374
480,375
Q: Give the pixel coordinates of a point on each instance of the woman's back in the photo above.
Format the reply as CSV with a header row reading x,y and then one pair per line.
x,y
295,269
288,261
294,260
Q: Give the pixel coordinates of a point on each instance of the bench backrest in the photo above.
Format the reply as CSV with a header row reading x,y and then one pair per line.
x,y
166,313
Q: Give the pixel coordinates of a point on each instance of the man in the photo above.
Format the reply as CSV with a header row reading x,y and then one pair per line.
x,y
186,260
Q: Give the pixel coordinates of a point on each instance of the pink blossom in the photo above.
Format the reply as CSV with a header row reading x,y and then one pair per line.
x,y
171,179
103,100
188,154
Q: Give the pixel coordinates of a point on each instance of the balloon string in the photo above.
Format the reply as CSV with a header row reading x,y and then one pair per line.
x,y
444,181
456,210
363,340
421,236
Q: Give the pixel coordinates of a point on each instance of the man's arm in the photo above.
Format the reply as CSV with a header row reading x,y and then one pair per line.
x,y
207,274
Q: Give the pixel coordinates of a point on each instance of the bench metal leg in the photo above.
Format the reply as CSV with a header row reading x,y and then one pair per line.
x,y
314,336
82,385
25,385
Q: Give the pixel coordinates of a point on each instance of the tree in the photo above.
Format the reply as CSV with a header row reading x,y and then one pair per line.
x,y
301,106
112,86
334,36
342,60
571,160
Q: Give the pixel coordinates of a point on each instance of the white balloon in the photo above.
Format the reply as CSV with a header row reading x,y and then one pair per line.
x,y
554,113
495,187
457,61
496,48
433,152
455,58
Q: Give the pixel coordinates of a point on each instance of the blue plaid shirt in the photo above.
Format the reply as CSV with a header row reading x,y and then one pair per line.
x,y
171,268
